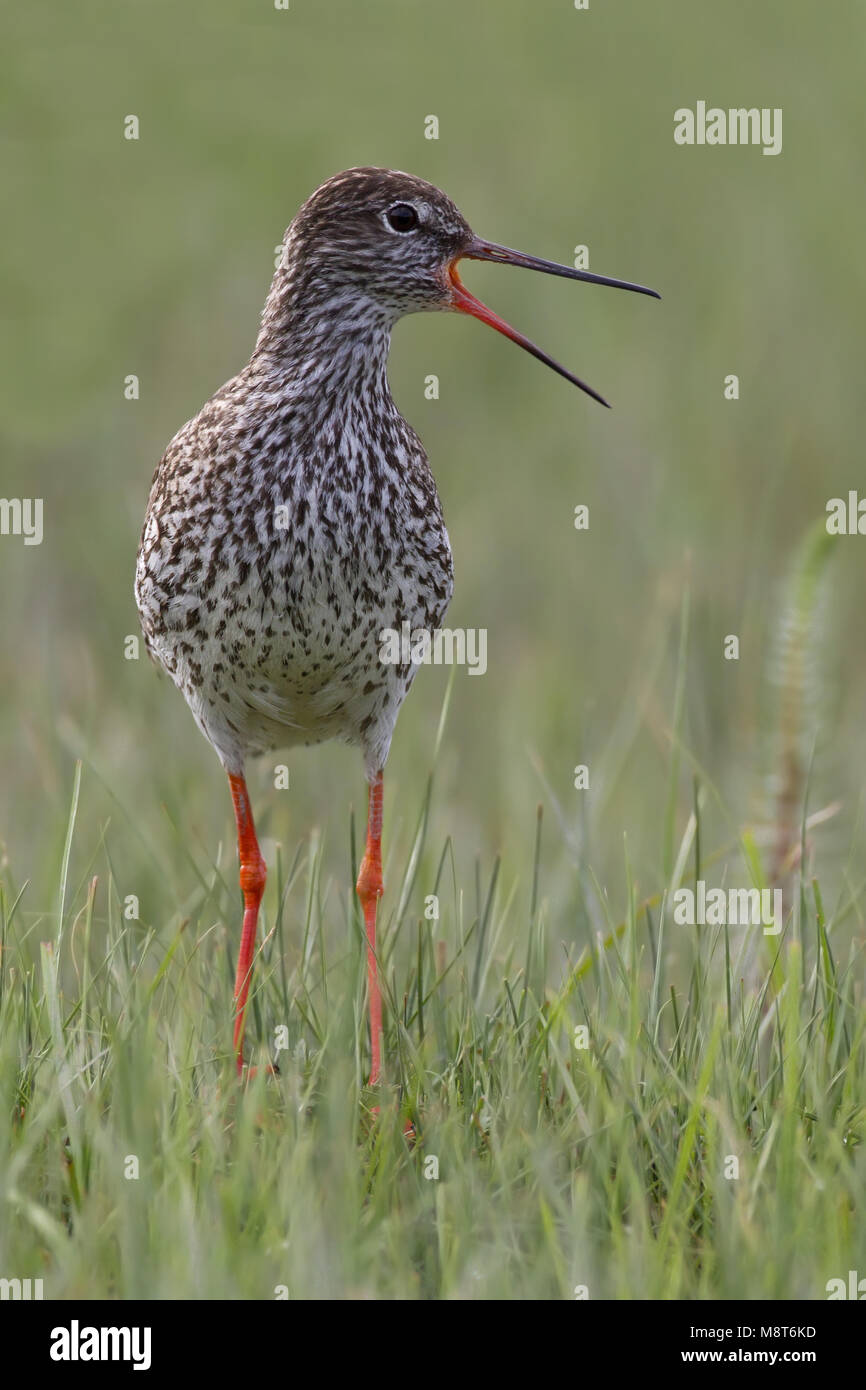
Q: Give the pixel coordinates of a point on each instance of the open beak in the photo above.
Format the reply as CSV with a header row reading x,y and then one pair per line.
x,y
479,250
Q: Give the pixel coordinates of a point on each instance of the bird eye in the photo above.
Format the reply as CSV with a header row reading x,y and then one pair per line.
x,y
402,217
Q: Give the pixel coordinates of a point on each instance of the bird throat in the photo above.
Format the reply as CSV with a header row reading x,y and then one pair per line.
x,y
323,334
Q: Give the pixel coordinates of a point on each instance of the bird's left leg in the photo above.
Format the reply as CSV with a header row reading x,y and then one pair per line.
x,y
253,875
369,889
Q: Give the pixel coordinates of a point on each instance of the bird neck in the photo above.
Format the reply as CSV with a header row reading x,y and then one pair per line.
x,y
324,344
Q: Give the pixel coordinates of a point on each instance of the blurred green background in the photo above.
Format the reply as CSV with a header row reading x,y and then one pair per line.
x,y
555,129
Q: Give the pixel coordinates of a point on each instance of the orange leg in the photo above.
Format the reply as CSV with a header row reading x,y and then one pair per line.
x,y
253,875
369,888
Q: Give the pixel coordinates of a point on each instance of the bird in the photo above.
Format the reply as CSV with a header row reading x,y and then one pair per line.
x,y
295,518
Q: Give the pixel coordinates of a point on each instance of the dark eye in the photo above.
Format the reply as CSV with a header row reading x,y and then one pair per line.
x,y
402,217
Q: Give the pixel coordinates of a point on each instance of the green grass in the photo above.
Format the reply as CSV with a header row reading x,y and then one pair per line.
x,y
539,1164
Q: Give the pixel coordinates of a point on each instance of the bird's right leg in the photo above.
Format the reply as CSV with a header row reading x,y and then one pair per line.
x,y
253,875
369,890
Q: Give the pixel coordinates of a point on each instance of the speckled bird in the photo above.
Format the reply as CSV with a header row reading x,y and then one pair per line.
x,y
295,518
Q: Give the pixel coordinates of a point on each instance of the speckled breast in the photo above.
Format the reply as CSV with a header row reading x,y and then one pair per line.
x,y
267,575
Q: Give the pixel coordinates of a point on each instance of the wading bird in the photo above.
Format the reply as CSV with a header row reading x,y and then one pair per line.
x,y
295,517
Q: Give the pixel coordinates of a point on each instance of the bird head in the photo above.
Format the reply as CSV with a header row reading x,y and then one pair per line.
x,y
371,245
